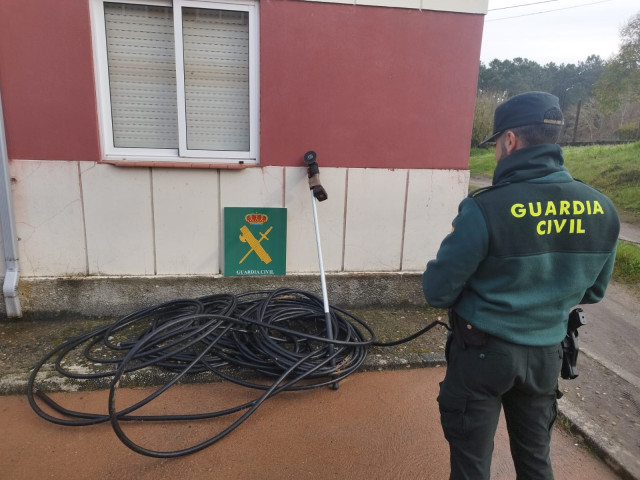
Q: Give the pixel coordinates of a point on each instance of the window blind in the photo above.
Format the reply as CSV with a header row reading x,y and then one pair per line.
x,y
142,75
216,79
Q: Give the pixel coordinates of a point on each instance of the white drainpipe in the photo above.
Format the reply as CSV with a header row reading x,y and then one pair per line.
x,y
8,227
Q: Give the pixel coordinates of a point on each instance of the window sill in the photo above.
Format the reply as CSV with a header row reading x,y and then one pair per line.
x,y
178,164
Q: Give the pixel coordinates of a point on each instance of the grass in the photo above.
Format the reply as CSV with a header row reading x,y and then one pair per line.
x,y
627,267
612,169
482,162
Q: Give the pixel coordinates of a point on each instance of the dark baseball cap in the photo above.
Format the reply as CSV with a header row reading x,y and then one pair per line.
x,y
530,108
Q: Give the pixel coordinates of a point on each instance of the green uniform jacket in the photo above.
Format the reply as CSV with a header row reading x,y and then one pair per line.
x,y
526,250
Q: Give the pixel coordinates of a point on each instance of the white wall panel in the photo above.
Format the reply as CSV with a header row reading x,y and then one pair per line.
x,y
261,187
118,219
186,217
432,203
416,4
345,2
302,254
464,6
48,213
375,210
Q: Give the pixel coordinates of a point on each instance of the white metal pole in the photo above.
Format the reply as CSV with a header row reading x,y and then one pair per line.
x,y
320,262
317,192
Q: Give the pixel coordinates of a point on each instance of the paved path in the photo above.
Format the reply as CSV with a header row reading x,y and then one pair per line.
x,y
630,232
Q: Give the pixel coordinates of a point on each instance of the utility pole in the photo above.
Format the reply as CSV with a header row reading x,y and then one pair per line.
x,y
575,126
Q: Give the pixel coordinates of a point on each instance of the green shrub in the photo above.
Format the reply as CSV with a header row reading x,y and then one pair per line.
x,y
627,268
629,131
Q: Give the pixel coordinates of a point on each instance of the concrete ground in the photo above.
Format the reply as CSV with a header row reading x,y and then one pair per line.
x,y
377,425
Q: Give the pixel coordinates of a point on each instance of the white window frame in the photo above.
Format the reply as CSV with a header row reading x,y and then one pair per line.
x,y
181,154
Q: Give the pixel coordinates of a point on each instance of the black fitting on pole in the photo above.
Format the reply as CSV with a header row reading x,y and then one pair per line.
x,y
314,176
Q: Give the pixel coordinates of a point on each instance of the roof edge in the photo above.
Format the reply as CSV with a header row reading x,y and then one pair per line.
x,y
458,6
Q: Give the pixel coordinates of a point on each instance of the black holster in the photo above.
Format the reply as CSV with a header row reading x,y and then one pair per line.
x,y
570,346
464,334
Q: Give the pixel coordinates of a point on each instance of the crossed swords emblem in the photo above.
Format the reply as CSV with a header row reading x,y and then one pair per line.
x,y
247,237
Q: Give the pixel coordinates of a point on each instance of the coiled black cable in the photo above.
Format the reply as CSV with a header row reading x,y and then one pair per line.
x,y
279,334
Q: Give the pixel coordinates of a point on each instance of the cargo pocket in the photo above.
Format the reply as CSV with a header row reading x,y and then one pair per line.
x,y
453,416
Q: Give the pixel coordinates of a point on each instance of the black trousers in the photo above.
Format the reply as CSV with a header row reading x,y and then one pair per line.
x,y
480,379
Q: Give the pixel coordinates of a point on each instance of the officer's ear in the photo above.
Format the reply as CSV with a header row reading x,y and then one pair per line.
x,y
511,142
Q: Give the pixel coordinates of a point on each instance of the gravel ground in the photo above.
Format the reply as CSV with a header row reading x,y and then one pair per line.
x,y
24,342
394,324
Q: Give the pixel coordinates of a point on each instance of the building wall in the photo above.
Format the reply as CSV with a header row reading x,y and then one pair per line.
x,y
384,95
363,86
47,82
85,218
366,86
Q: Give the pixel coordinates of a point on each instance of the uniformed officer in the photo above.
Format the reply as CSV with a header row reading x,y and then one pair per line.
x,y
520,255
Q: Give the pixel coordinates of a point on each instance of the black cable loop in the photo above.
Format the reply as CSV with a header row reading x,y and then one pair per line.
x,y
413,336
269,340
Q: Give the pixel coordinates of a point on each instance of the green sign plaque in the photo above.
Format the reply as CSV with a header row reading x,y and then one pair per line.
x,y
255,241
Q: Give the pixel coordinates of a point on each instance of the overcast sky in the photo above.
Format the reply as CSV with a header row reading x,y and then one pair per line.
x,y
567,32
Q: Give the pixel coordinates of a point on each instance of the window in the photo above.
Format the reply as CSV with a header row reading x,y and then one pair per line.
x,y
177,80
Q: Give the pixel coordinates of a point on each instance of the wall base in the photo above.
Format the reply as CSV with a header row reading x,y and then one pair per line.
x,y
47,298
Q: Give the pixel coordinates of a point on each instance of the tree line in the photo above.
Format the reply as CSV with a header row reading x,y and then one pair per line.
x,y
600,98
